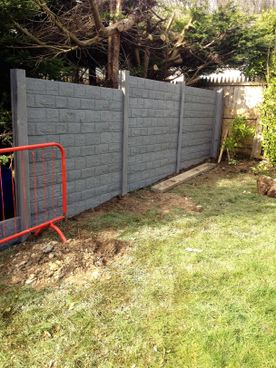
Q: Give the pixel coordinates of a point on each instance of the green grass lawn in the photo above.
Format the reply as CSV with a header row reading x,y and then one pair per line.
x,y
159,305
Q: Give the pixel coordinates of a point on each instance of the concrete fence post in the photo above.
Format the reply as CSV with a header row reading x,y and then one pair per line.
x,y
219,105
20,138
124,86
180,127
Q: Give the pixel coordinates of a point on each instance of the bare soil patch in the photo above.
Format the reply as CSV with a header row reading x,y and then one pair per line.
x,y
42,262
224,170
145,200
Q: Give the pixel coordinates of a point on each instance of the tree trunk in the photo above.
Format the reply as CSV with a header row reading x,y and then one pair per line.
x,y
257,141
114,45
92,76
146,62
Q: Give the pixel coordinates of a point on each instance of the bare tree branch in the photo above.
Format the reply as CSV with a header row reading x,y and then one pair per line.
x,y
40,44
58,23
28,34
96,15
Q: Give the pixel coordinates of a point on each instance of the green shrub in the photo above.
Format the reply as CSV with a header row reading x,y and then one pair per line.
x,y
268,113
263,168
5,128
240,131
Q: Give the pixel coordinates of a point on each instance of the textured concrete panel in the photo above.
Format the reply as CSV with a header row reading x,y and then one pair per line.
x,y
88,121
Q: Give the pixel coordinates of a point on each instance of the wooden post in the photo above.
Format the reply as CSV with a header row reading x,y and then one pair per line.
x,y
124,86
217,124
180,127
20,138
257,140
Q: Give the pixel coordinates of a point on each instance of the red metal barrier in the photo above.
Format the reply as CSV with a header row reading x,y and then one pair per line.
x,y
46,174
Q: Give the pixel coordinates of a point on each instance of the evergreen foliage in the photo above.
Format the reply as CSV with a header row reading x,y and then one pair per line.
x,y
268,112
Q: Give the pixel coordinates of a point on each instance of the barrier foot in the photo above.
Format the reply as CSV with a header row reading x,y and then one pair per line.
x,y
58,231
39,231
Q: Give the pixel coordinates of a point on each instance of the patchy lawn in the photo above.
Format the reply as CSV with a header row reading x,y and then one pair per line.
x,y
149,281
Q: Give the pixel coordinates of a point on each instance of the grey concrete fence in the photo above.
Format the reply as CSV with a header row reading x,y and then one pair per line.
x,y
116,141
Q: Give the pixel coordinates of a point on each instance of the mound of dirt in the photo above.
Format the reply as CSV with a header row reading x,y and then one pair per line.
x,y
43,263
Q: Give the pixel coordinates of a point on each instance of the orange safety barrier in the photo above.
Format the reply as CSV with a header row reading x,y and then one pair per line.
x,y
39,202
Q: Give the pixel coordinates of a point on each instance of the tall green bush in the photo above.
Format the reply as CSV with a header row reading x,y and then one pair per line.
x,y
239,133
268,112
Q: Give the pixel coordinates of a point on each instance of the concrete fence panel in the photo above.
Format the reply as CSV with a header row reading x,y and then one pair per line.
x,y
88,122
116,141
153,128
199,118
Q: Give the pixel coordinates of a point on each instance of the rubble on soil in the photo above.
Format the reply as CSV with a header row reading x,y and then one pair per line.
x,y
43,263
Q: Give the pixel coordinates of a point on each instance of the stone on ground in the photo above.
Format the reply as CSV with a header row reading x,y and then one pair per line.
x,y
266,186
